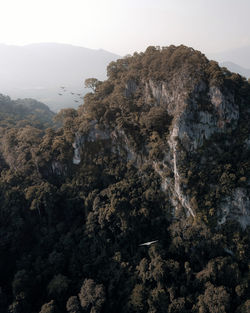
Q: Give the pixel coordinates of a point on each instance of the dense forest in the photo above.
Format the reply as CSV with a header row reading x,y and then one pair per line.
x,y
158,151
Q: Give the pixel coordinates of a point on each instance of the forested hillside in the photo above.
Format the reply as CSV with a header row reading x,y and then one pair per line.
x,y
159,151
26,111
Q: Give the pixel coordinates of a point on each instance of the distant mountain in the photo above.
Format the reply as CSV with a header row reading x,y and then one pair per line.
x,y
38,70
236,68
239,56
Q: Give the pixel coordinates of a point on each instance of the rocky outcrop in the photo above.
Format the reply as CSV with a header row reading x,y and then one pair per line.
x,y
130,88
92,135
194,122
199,109
236,206
77,149
58,168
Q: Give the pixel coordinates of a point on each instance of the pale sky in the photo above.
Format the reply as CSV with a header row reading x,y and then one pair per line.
x,y
125,26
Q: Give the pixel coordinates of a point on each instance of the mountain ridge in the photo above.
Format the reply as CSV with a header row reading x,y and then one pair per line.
x,y
159,151
197,121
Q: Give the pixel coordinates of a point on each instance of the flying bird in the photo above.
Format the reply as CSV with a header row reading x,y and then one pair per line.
x,y
72,93
148,243
60,94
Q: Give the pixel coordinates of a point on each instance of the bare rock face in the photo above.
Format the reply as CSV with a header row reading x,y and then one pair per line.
x,y
236,206
193,124
93,135
191,127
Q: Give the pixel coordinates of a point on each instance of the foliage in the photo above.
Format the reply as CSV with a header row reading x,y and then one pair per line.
x,y
92,296
70,234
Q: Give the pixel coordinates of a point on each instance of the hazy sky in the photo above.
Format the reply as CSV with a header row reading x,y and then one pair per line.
x,y
125,26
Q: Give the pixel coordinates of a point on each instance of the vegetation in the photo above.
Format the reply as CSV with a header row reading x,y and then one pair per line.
x,y
70,234
24,112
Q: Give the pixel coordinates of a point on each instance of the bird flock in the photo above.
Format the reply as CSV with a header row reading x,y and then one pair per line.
x,y
77,96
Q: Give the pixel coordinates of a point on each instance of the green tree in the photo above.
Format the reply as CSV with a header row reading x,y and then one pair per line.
x,y
49,307
58,286
92,83
73,305
92,296
138,298
21,282
214,300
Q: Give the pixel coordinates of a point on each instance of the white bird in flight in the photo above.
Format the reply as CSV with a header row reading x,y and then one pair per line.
x,y
148,243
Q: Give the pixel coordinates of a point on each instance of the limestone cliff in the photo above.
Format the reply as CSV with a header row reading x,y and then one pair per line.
x,y
183,115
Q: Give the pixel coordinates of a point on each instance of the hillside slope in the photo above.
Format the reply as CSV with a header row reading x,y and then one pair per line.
x,y
26,111
158,152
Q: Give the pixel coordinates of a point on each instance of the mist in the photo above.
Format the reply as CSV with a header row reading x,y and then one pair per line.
x,y
39,70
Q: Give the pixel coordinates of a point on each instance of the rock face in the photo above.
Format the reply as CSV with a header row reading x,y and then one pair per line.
x,y
192,126
236,206
201,111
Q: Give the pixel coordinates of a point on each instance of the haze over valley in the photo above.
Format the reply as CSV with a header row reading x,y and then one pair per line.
x,y
40,70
